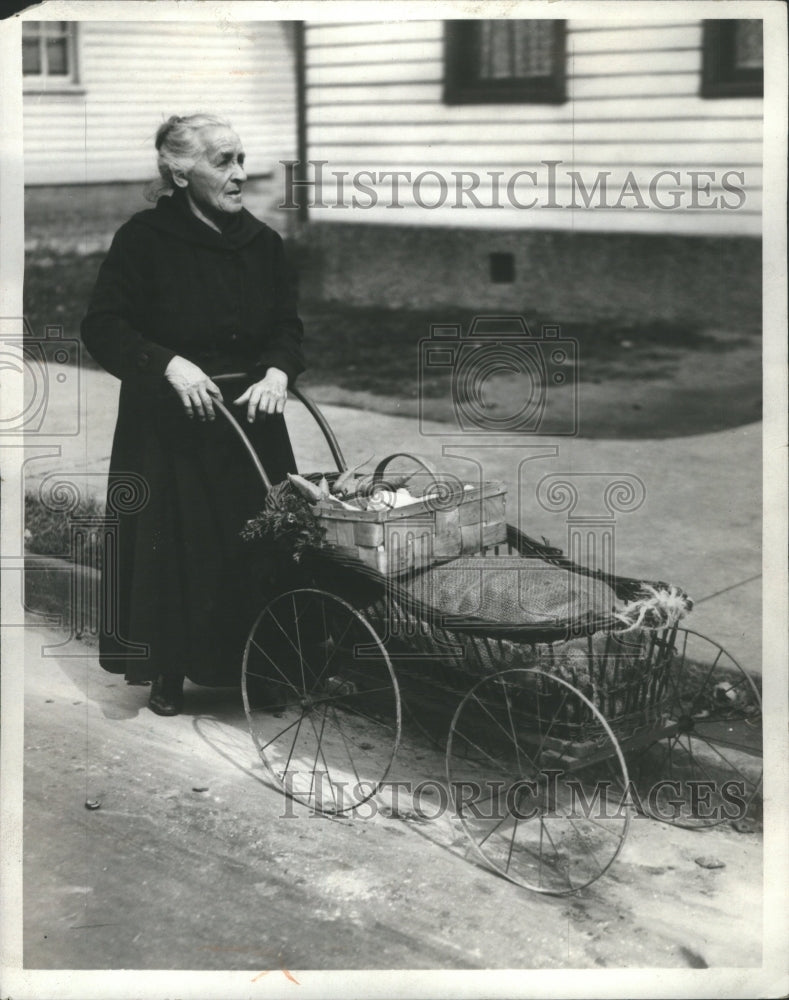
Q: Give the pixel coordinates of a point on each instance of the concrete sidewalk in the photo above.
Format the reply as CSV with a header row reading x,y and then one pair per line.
x,y
699,524
191,858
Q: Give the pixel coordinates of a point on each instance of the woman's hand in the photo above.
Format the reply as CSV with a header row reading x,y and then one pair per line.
x,y
193,386
269,395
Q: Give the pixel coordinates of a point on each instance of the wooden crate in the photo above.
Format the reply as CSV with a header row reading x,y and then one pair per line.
x,y
405,538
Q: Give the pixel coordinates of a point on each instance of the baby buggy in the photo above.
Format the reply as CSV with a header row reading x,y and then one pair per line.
x,y
564,712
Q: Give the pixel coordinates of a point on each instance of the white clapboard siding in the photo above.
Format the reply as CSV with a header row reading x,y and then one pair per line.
x,y
644,38
578,133
134,74
540,184
374,102
599,155
524,177
373,32
622,109
328,64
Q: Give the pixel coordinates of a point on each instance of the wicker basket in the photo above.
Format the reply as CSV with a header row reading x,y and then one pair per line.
x,y
451,522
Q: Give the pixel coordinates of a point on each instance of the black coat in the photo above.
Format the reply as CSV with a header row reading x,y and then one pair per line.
x,y
179,589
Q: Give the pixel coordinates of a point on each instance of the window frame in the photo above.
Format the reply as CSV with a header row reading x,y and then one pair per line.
x,y
54,83
458,42
719,77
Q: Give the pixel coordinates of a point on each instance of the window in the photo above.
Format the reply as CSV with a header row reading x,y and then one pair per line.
x,y
504,61
49,53
733,59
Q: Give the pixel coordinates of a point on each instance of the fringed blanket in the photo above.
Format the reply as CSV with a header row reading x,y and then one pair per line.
x,y
512,590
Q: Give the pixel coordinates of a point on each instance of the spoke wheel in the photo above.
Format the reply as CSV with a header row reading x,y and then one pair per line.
x,y
321,699
705,768
527,764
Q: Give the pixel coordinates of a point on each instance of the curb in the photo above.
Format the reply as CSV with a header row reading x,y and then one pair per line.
x,y
68,591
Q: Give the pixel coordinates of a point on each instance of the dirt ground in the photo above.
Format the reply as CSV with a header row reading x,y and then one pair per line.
x,y
193,860
656,380
635,390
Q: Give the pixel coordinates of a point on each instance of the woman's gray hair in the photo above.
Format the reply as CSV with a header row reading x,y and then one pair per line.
x,y
178,147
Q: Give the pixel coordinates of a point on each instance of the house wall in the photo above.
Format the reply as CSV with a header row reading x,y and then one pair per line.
x,y
374,102
133,75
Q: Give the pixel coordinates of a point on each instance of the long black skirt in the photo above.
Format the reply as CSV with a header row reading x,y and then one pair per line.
x,y
180,588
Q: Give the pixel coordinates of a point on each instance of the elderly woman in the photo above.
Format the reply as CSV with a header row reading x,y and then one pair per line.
x,y
191,289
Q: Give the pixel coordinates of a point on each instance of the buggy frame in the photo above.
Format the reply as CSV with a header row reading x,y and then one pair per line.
x,y
661,721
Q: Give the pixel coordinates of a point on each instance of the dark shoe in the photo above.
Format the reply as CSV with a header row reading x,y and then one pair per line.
x,y
167,694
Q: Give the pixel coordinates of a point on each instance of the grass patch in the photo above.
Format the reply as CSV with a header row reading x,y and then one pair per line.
x,y
49,532
57,289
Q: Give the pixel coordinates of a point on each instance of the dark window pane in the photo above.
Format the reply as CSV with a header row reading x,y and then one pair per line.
x,y
57,56
31,28
533,48
492,60
733,59
504,61
514,49
31,57
748,45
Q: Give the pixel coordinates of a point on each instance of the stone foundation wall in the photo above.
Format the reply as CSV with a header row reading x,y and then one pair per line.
x,y
562,276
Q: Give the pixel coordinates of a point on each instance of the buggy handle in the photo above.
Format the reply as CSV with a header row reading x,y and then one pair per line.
x,y
308,404
426,464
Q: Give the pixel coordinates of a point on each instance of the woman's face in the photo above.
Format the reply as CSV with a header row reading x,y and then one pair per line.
x,y
216,179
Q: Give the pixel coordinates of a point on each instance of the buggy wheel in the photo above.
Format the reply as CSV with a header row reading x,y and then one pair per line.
x,y
704,765
527,762
321,699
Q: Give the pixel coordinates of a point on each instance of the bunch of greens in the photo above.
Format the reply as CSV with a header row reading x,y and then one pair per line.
x,y
286,522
